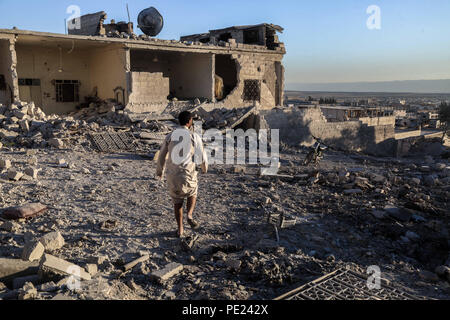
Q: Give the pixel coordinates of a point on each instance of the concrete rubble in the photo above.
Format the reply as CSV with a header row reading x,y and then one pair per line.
x,y
67,212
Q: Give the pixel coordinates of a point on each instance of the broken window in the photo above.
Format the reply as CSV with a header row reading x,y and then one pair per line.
x,y
67,90
251,36
252,90
204,40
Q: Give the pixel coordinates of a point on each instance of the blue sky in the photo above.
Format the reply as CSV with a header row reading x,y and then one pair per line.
x,y
327,40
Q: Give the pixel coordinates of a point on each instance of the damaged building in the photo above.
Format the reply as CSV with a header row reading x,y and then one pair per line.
x,y
144,74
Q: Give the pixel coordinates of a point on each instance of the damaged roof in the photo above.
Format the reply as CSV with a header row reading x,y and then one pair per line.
x,y
267,25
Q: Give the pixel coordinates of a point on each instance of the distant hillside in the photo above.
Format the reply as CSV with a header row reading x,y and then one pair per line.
x,y
413,86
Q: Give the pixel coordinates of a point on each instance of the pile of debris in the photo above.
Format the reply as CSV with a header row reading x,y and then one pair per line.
x,y
223,118
23,124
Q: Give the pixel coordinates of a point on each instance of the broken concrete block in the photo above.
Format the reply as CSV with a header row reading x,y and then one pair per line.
x,y
57,143
25,211
92,269
48,287
52,266
133,263
14,175
10,226
52,241
24,125
8,135
99,260
28,292
33,251
19,114
5,164
13,268
32,172
169,271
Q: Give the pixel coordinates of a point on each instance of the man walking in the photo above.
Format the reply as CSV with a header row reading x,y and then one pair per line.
x,y
178,153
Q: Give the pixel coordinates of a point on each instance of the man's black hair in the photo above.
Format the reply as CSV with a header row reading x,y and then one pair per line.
x,y
184,118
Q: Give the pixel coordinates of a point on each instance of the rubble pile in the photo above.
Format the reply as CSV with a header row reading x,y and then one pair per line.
x,y
24,124
222,118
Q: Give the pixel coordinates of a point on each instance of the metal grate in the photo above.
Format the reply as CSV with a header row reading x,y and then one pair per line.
x,y
344,285
252,90
110,142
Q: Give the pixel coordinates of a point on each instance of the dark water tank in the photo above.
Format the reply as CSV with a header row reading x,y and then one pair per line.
x,y
150,21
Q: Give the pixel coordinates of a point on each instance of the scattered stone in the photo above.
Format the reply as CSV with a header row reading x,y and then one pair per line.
x,y
57,143
52,266
52,241
99,260
33,251
48,287
14,175
10,226
169,271
92,269
28,292
11,268
133,263
5,164
24,212
21,281
32,172
233,264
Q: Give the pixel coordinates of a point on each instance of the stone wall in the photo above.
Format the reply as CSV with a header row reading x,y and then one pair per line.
x,y
300,126
256,67
149,92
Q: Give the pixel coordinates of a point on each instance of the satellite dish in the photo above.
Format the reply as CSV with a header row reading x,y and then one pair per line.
x,y
150,21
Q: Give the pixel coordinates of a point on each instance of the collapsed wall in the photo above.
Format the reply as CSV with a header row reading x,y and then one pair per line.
x,y
8,73
300,126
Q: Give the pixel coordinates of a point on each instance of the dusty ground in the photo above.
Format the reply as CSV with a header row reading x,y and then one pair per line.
x,y
333,229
